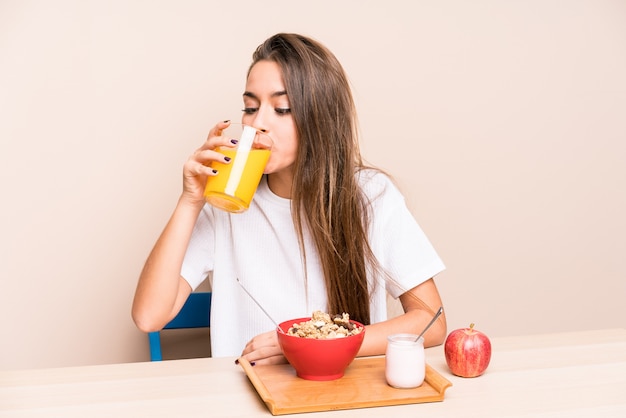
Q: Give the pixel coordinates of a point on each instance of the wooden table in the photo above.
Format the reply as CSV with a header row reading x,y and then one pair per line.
x,y
579,374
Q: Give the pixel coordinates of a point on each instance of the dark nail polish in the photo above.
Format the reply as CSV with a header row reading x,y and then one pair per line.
x,y
234,141
237,361
227,120
214,171
252,363
227,159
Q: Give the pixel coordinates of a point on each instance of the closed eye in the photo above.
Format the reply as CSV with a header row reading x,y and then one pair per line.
x,y
250,110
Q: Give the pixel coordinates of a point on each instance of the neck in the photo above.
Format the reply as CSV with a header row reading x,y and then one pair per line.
x,y
281,183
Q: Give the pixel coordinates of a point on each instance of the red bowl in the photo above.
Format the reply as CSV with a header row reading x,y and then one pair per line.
x,y
323,359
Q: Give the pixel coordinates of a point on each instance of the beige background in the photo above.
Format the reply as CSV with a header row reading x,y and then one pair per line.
x,y
504,123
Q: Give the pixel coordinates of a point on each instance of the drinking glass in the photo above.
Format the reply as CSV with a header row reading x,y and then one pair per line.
x,y
235,183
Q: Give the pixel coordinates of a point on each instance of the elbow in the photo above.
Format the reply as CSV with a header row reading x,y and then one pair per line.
x,y
436,335
146,327
144,322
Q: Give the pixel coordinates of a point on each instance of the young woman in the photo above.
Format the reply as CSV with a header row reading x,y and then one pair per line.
x,y
324,232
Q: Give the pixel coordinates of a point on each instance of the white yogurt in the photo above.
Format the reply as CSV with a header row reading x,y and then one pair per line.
x,y
405,364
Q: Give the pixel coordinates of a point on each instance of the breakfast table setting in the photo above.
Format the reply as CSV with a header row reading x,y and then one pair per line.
x,y
565,374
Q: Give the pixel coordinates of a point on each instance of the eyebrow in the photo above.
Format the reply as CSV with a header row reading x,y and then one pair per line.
x,y
254,96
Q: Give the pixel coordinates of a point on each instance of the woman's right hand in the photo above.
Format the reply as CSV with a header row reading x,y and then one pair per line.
x,y
196,170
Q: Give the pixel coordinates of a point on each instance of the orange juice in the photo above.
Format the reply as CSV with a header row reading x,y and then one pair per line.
x,y
235,183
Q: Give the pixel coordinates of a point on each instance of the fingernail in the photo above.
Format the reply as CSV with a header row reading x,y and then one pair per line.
x,y
237,361
253,363
234,141
227,120
227,159
214,171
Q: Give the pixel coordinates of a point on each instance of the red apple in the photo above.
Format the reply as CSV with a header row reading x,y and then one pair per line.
x,y
468,352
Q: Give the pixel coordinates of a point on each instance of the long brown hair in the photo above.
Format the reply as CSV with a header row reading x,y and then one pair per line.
x,y
326,194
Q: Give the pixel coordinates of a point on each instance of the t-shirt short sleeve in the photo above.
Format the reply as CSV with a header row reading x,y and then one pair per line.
x,y
199,258
398,242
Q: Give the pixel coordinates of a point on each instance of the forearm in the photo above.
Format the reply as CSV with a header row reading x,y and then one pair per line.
x,y
420,305
412,322
160,293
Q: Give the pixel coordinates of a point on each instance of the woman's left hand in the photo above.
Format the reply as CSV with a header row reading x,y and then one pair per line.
x,y
264,349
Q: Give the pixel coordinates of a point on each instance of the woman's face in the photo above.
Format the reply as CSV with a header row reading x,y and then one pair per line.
x,y
266,107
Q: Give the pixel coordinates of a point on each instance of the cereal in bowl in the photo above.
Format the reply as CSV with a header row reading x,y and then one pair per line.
x,y
322,326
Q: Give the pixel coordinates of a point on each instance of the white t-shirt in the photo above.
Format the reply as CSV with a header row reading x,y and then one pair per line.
x,y
260,248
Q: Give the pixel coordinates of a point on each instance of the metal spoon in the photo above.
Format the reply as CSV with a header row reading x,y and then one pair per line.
x,y
259,305
432,321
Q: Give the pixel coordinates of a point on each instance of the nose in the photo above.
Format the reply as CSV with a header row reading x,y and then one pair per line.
x,y
255,123
259,125
260,119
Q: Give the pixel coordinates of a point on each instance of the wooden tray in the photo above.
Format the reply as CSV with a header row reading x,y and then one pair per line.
x,y
362,386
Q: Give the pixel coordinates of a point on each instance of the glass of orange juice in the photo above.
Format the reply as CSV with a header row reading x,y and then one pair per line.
x,y
236,181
